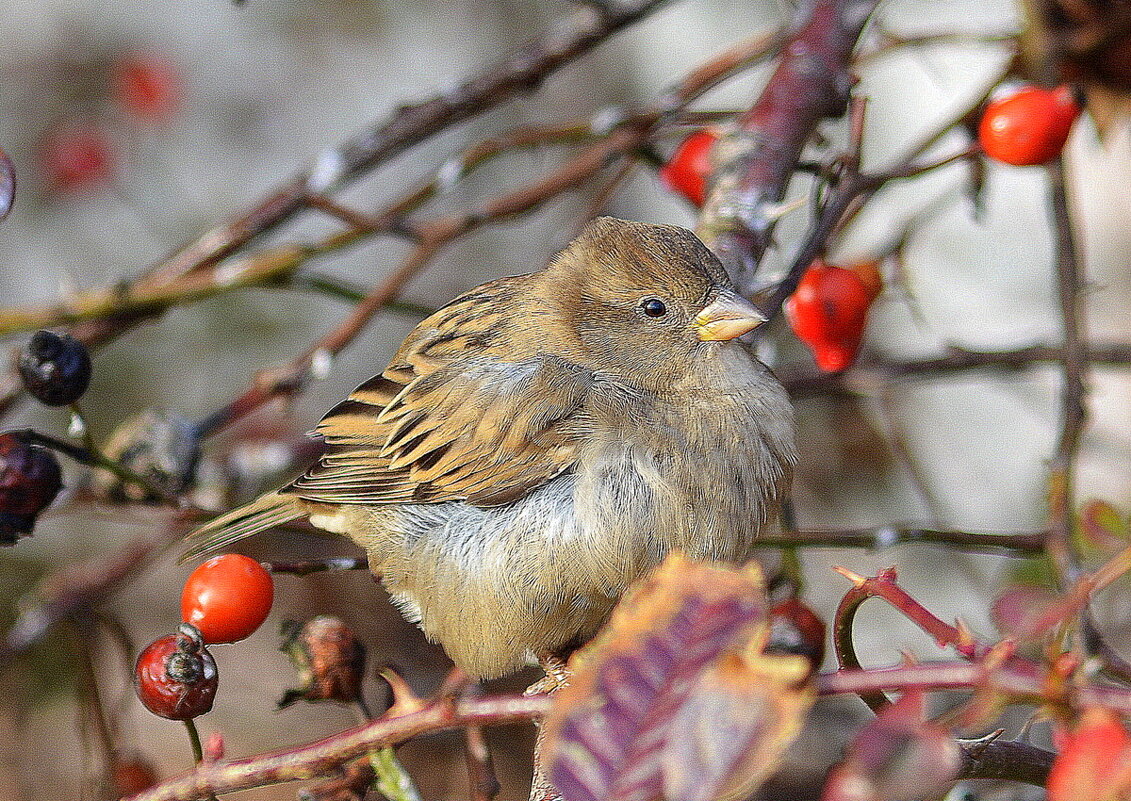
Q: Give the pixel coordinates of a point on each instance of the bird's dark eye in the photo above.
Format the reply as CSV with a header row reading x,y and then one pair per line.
x,y
654,308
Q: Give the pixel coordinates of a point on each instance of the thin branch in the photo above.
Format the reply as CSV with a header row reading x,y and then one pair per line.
x,y
1073,413
882,537
872,370
78,587
522,71
310,761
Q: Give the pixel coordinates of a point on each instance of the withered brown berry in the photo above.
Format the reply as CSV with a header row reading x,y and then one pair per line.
x,y
175,676
329,659
30,479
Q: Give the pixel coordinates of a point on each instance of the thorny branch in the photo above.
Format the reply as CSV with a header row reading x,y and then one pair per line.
x,y
1073,391
810,83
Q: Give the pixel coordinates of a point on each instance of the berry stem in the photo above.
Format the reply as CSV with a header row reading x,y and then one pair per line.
x,y
92,457
86,437
194,740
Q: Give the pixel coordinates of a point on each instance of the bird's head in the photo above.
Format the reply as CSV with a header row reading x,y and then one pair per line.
x,y
645,299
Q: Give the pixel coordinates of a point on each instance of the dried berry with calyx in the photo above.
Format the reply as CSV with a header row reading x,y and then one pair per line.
x,y
159,445
175,676
55,368
329,659
30,479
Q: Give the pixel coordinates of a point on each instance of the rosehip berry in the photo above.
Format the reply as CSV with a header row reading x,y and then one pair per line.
x,y
796,629
131,775
1029,126
329,659
76,158
55,368
829,310
175,676
146,85
227,597
29,480
688,169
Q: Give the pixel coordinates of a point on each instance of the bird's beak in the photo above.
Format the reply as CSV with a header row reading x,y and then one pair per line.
x,y
726,317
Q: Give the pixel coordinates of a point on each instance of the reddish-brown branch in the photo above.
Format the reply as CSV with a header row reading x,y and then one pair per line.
x,y
316,759
810,83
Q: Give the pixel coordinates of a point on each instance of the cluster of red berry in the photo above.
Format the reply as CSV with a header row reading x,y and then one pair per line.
x,y
224,600
829,309
78,155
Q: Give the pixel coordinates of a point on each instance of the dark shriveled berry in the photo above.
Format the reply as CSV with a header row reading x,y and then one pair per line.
x,y
329,659
29,480
55,368
175,676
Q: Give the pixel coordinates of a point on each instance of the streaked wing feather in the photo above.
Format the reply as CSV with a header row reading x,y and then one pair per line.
x,y
447,421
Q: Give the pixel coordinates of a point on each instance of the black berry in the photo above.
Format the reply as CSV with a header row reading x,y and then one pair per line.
x,y
55,368
29,480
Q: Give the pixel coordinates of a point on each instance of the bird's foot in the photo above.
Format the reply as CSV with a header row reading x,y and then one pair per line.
x,y
557,674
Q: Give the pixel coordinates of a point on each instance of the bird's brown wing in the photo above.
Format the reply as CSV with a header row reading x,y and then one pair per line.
x,y
449,420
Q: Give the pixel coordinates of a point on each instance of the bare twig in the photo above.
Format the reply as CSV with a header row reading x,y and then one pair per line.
x,y
882,537
1073,391
78,587
310,761
872,371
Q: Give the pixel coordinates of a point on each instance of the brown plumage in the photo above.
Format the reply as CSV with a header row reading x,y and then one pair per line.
x,y
543,440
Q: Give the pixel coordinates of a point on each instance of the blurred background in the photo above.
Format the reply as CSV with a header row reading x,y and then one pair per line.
x,y
116,170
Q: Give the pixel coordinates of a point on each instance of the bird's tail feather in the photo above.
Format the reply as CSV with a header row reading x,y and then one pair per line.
x,y
261,514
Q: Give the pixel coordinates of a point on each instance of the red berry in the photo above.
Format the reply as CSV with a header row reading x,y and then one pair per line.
x,y
146,85
131,775
175,676
1029,126
829,309
29,480
227,598
76,158
796,629
688,169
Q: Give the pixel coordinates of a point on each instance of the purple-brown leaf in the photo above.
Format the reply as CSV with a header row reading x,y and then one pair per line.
x,y
729,735
636,720
898,755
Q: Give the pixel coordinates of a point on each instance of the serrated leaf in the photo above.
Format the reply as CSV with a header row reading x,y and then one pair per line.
x,y
1102,526
608,731
731,732
897,756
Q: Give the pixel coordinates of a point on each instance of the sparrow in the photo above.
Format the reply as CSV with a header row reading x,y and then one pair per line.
x,y
544,440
